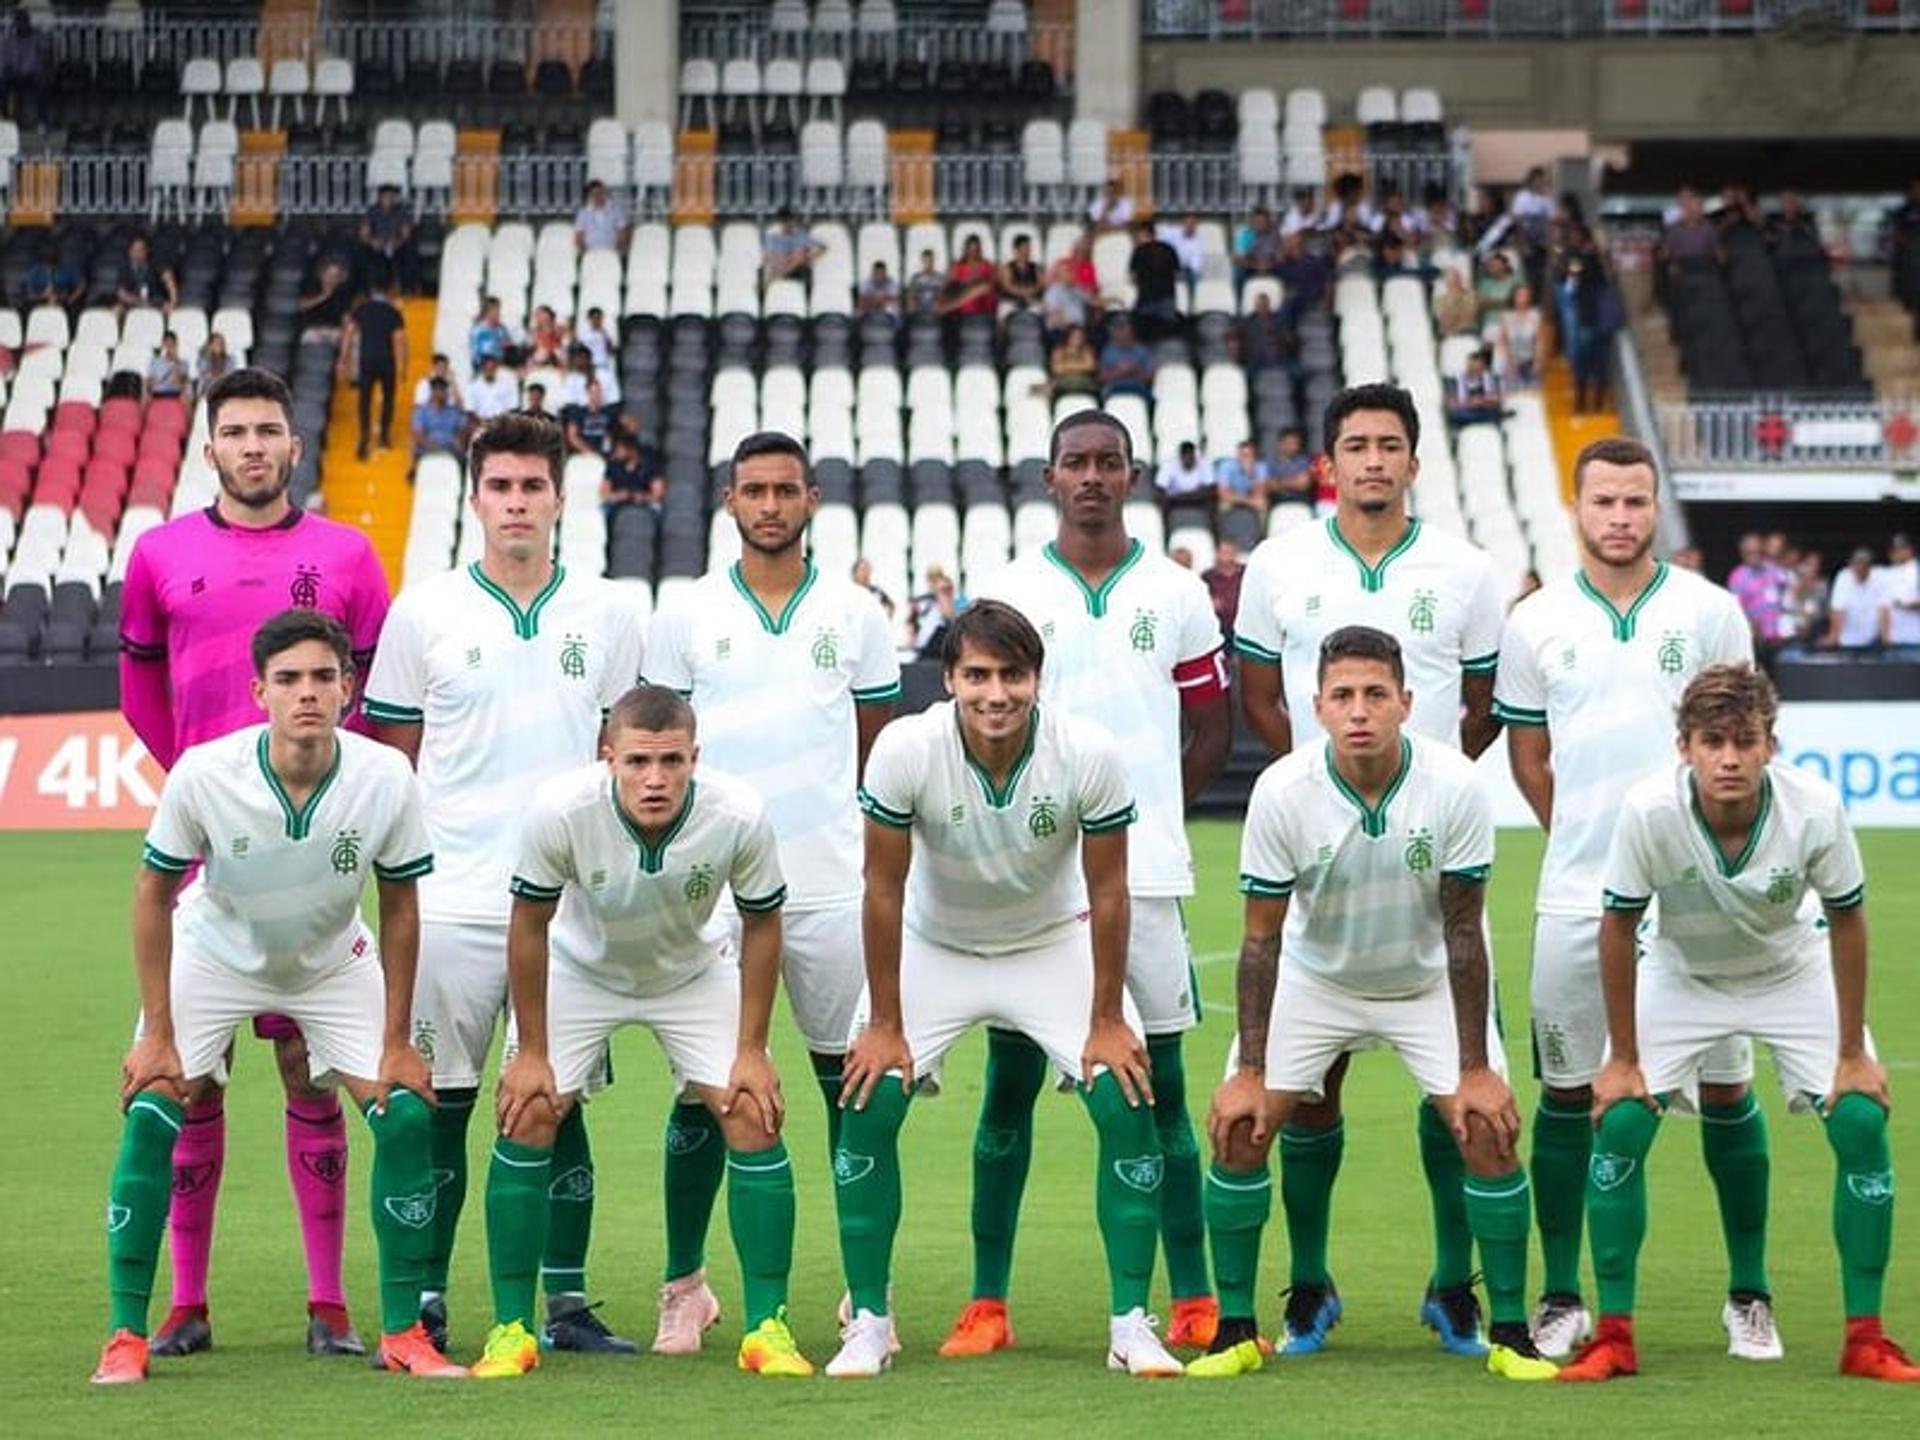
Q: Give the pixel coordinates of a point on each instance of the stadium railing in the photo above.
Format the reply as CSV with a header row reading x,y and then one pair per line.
x,y
1756,431
1506,19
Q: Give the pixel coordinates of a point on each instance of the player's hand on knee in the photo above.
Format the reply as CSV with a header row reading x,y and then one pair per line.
x,y
1485,1097
152,1064
403,1068
1111,1042
1241,1101
1860,1075
526,1092
874,1051
1619,1080
754,1079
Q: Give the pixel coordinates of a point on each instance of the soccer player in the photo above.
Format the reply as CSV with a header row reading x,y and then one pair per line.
x,y
288,819
1132,644
1364,862
621,865
1371,563
792,673
1591,666
1736,848
196,590
996,893
493,678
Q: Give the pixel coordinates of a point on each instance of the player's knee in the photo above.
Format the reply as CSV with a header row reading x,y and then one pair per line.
x,y
1724,1094
1578,1097
1627,1129
291,1058
1857,1130
1481,1149
1240,1151
746,1127
405,1123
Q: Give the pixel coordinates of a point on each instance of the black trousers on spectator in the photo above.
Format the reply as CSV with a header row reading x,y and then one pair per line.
x,y
384,378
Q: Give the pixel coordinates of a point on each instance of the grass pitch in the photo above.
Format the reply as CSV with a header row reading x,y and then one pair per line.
x,y
70,1004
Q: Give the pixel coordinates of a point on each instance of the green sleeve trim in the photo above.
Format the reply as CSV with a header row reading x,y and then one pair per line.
x,y
760,906
1852,900
1265,889
1481,664
877,694
1516,715
1472,874
388,713
411,870
1613,900
1118,820
885,814
1259,654
166,864
527,890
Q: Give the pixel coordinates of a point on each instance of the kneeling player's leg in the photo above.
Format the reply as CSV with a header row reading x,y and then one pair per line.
x,y
137,1204
1862,1200
1311,1145
1002,1155
1183,1230
519,1212
199,1161
760,1204
1569,1045
1500,1210
1239,1200
447,1142
403,1197
317,1166
1733,1141
563,1265
1617,1201
866,1179
1127,1190
695,1163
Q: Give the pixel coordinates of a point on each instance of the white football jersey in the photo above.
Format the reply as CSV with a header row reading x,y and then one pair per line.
x,y
1606,685
1433,592
1746,922
775,698
1122,655
1363,882
632,911
279,894
505,697
996,869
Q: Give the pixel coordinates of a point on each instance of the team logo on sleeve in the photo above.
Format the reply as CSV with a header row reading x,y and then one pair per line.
x,y
239,847
1783,884
1421,613
826,649
473,657
1671,657
1313,605
1419,854
699,883
1142,1173
1610,1172
573,657
597,880
1044,818
345,855
304,591
722,648
1568,658
413,1211
1141,634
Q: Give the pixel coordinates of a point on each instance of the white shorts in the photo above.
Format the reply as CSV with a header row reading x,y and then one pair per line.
x,y
1045,993
697,1025
1160,967
1570,1015
459,996
342,1013
1681,1022
1313,1023
822,968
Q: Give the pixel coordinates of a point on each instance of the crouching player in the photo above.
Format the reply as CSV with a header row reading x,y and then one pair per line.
x,y
287,818
621,864
1369,855
1735,847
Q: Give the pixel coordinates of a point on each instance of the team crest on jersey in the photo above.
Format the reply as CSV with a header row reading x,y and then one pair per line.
x,y
413,1211
304,591
345,855
1142,1173
1610,1172
700,883
1783,884
685,1139
239,847
1142,633
1043,819
575,1187
1568,658
329,1167
117,1217
473,657
993,1144
1419,854
849,1167
1421,613
1313,605
1324,855
1671,657
424,1035
826,649
1871,1187
1690,875
573,657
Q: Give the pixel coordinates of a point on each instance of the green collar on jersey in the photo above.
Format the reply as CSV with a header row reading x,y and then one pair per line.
x,y
1623,624
771,625
299,818
1096,598
1373,818
1373,578
999,797
653,858
526,623
1731,868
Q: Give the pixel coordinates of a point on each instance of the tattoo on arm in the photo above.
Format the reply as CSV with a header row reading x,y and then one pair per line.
x,y
1460,911
1258,973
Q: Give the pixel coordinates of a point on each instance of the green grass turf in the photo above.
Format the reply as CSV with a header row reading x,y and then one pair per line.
x,y
71,1002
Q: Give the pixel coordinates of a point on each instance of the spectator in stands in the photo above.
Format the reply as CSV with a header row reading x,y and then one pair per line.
x,y
1126,363
386,234
634,476
49,282
1518,340
1348,209
376,345
580,373
600,223
1793,236
1072,296
1290,474
1073,365
546,339
1185,480
533,400
1181,556
213,362
1688,557
1760,584
167,376
1690,240
438,368
26,71
1020,279
494,391
323,313
1154,268
1495,286
142,282
926,287
1807,599
863,577
1440,222
590,423
1243,479
1256,248
601,344
1592,309
1456,310
1184,238
972,285
1302,217
1532,209
932,611
1900,583
1473,396
1739,218
1903,236
790,251
1857,605
1111,209
438,426
1223,579
1267,342
879,293
490,334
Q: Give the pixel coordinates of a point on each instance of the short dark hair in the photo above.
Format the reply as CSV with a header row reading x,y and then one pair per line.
x,y
1379,396
1362,642
249,382
771,442
1622,450
518,433
653,708
1081,418
1726,695
997,628
292,627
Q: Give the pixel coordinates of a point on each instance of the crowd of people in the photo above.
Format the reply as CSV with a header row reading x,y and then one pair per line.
x,y
1792,601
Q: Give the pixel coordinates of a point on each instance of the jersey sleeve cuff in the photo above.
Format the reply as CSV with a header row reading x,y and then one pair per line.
x,y
1103,824
1518,715
1251,650
528,890
156,859
877,694
1852,900
1472,874
885,814
1481,664
406,870
388,713
1614,900
763,905
1261,888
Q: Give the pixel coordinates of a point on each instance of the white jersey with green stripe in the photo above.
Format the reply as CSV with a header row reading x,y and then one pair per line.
x,y
1741,922
1433,592
633,910
1605,684
1363,881
775,696
279,894
996,868
1121,654
506,698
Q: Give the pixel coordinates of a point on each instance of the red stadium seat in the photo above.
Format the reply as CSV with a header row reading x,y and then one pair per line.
x,y
115,445
21,445
102,508
68,445
15,481
108,473
163,444
75,415
58,483
170,415
120,413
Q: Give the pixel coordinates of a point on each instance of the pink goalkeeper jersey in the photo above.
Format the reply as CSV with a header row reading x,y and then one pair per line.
x,y
196,590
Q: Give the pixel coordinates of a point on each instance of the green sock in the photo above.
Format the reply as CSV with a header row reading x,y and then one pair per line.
x,y
1562,1145
405,1201
1734,1140
141,1190
760,1214
1617,1200
1002,1155
447,1132
517,1210
1126,1193
866,1192
828,1075
1309,1161
1862,1201
696,1158
1183,1226
1238,1204
1499,1210
1446,1173
563,1269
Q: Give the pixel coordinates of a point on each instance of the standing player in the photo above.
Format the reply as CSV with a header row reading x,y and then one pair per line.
x,y
196,590
996,893
1132,644
1365,859
288,818
632,854
792,673
1736,848
493,678
1591,667
1370,563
